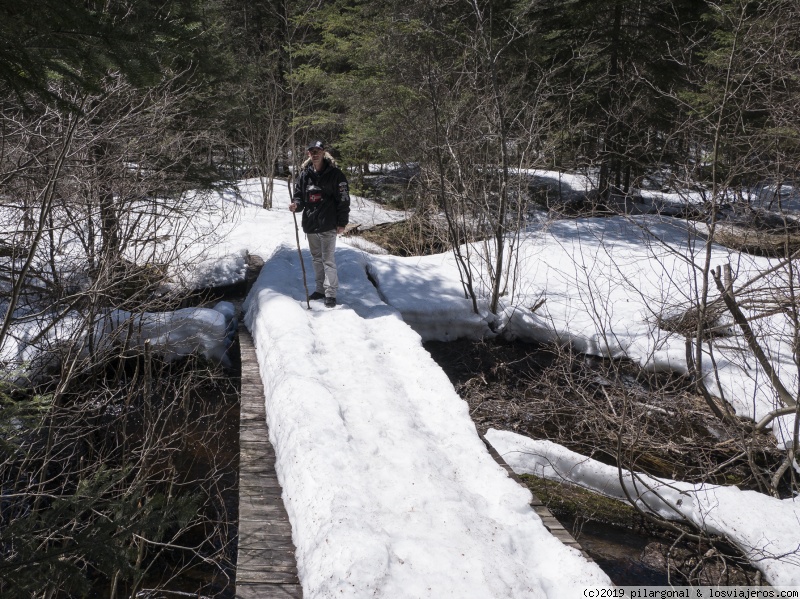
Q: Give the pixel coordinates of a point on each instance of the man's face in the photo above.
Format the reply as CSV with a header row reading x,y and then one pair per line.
x,y
316,156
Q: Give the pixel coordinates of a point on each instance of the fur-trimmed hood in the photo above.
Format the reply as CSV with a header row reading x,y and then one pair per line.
x,y
328,158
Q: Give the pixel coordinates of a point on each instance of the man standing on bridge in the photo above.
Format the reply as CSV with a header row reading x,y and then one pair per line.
x,y
321,192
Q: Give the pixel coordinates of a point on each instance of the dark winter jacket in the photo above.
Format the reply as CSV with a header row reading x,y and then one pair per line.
x,y
323,197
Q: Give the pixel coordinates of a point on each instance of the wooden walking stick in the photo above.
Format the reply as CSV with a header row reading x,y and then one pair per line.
x,y
302,264
296,229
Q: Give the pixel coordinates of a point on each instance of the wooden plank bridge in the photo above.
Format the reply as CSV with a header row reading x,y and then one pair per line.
x,y
548,519
266,566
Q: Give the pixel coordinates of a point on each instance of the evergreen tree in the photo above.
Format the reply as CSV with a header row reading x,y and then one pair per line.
x,y
81,42
618,63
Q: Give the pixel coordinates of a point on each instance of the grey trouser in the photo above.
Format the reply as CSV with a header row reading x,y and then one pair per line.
x,y
322,247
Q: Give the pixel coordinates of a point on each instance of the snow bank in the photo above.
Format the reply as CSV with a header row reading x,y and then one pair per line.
x,y
429,296
605,283
32,348
767,530
201,331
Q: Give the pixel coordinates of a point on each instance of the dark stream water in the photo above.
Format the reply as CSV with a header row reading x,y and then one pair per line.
x,y
214,457
619,553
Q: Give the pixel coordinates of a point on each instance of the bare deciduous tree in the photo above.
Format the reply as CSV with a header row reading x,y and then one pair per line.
x,y
96,446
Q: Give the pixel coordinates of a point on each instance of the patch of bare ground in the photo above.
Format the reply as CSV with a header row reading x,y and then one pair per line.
x,y
612,410
414,236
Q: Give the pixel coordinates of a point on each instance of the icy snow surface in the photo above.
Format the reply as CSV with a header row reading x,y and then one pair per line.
x,y
385,480
766,529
